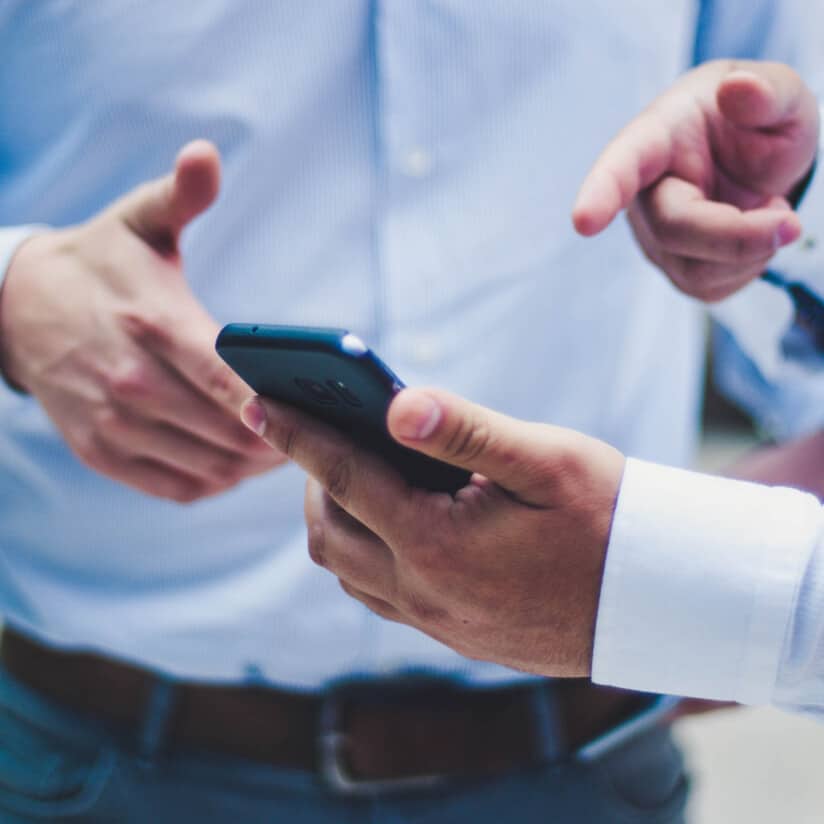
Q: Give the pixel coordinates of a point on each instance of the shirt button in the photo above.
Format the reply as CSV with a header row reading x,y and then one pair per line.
x,y
808,243
425,351
417,163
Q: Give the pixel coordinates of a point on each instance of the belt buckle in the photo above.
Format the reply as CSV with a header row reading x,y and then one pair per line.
x,y
332,745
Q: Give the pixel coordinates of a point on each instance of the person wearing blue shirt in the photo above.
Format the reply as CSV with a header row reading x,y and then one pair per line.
x,y
600,563
405,170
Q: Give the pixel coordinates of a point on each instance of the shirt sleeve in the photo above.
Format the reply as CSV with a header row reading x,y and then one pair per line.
x,y
10,240
713,588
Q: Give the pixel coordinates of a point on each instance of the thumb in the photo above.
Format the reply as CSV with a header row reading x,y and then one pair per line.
x,y
159,210
762,96
523,458
762,102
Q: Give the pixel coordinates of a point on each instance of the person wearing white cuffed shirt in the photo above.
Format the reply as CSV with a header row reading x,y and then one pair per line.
x,y
402,169
572,560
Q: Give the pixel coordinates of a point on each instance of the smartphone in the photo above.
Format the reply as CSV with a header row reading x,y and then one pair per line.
x,y
332,375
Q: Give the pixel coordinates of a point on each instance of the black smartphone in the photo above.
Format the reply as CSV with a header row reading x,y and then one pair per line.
x,y
334,376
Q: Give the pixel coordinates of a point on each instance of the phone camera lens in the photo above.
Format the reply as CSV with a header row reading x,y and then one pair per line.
x,y
316,391
345,392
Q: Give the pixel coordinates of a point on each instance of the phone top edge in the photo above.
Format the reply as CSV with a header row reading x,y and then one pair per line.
x,y
286,337
330,340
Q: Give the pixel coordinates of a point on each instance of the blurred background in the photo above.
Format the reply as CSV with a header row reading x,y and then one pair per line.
x,y
753,766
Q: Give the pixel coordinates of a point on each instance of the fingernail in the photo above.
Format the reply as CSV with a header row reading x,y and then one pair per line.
x,y
253,415
787,232
419,417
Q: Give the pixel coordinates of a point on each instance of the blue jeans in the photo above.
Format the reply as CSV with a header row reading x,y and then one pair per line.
x,y
56,766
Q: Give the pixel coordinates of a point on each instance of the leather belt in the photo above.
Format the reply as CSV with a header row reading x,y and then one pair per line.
x,y
361,737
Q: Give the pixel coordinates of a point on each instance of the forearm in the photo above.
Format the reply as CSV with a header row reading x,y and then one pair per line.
x,y
798,464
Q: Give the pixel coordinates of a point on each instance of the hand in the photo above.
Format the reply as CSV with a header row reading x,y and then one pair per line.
x,y
705,172
99,324
509,570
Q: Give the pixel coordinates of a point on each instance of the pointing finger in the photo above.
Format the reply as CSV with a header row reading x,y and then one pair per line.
x,y
637,157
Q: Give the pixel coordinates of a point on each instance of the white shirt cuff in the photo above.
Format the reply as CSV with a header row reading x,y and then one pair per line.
x,y
10,240
700,583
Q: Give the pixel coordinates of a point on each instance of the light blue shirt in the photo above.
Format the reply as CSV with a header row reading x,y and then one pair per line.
x,y
402,169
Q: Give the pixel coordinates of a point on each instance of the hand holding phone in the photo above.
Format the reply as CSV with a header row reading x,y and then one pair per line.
x,y
334,376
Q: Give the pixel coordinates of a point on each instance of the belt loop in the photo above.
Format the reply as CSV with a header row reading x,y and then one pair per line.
x,y
546,708
156,719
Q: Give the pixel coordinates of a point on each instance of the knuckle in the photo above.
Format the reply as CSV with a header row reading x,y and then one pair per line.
x,y
148,330
698,274
316,544
338,481
249,447
220,380
748,246
571,463
679,272
185,488
741,247
668,230
131,380
350,590
186,493
686,287
108,421
706,282
763,156
88,448
228,470
420,610
286,436
376,605
468,439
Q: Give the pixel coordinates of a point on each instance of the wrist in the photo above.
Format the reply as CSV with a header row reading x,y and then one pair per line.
x,y
614,470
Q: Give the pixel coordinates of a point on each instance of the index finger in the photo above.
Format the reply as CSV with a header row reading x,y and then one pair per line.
x,y
360,482
187,347
636,157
